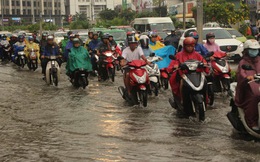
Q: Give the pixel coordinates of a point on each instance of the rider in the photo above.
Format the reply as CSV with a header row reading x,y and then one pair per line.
x,y
90,37
144,42
31,45
188,53
63,43
103,46
78,58
93,43
51,49
13,39
154,43
172,39
78,36
35,40
69,45
210,44
244,96
199,47
130,53
18,46
111,40
43,42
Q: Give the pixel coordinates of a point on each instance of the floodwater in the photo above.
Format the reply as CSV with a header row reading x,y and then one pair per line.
x,y
40,123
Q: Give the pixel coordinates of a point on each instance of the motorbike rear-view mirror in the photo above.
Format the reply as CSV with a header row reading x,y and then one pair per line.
x,y
247,67
152,54
172,57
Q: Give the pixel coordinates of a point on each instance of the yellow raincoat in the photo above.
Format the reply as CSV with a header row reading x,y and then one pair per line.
x,y
155,46
34,46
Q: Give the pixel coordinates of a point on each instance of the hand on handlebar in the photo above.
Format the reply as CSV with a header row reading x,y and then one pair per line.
x,y
250,78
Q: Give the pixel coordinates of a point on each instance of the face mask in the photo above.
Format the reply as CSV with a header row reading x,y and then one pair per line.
x,y
211,41
253,52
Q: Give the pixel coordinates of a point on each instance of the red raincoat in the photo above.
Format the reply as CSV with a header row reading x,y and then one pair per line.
x,y
180,58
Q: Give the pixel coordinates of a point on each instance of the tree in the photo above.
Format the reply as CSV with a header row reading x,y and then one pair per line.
x,y
108,14
225,12
80,21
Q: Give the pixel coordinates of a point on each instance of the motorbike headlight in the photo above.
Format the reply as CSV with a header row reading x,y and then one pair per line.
x,y
192,66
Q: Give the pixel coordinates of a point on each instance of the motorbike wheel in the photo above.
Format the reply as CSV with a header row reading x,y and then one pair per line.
x,y
83,82
164,83
211,95
143,97
111,72
55,79
155,88
226,84
201,112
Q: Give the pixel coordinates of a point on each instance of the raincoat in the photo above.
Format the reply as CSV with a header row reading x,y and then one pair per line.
x,y
63,44
247,97
78,58
164,54
69,45
181,57
34,46
155,46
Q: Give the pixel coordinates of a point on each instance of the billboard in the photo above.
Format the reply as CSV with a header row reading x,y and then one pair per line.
x,y
141,5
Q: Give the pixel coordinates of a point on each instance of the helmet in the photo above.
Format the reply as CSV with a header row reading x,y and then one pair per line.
x,y
30,38
44,35
71,35
50,37
194,35
189,41
153,34
210,35
65,36
76,40
95,33
20,37
110,35
144,41
90,32
130,33
252,44
131,39
77,34
4,37
105,36
14,36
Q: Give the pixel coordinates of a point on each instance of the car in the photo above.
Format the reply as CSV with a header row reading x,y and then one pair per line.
x,y
83,36
211,25
118,34
236,34
125,28
59,36
224,39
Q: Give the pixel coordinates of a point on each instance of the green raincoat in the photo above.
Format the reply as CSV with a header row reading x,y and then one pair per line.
x,y
78,58
63,44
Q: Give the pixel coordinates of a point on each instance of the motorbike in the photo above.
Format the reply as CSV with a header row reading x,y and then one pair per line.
x,y
32,60
80,78
194,89
21,57
237,114
154,74
164,78
6,51
220,76
139,81
52,71
108,66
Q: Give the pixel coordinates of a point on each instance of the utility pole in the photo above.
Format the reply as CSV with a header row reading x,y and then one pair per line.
x,y
200,19
2,10
184,14
160,8
41,2
32,11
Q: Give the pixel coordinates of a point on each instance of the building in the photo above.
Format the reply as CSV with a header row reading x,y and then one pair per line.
x,y
29,11
89,7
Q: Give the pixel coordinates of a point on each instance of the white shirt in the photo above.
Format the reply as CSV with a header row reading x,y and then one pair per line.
x,y
130,55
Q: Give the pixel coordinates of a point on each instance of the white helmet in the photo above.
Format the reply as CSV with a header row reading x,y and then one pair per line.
x,y
144,41
252,44
50,37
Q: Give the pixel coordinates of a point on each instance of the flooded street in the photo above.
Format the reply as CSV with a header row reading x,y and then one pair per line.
x,y
40,123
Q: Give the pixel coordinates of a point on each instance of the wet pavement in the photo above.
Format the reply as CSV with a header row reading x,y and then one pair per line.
x,y
40,123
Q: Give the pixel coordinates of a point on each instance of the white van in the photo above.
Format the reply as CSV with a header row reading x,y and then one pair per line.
x,y
153,24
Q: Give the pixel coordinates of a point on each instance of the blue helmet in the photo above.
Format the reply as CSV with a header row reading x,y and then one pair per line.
x,y
30,38
194,35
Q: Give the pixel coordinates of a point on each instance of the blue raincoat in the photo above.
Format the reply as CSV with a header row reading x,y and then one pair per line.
x,y
164,54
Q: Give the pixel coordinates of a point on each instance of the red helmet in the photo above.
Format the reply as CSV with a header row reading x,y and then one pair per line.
x,y
189,41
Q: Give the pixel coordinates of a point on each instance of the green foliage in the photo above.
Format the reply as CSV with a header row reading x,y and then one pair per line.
x,y
128,15
147,14
162,11
108,14
225,12
81,22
